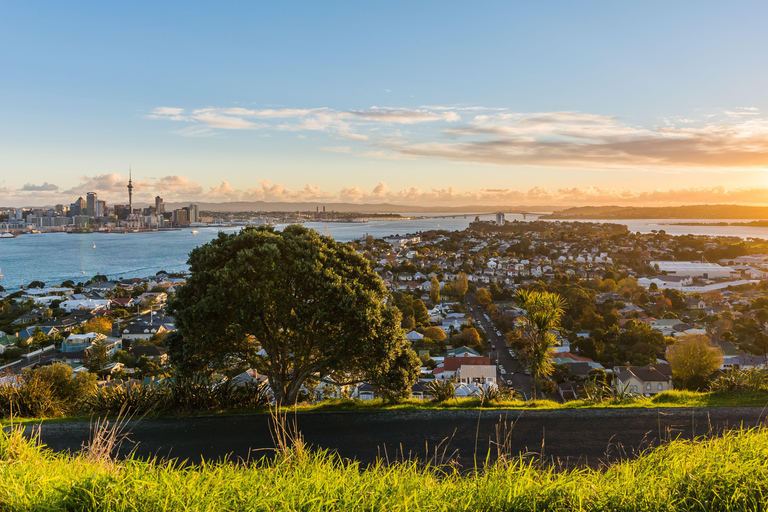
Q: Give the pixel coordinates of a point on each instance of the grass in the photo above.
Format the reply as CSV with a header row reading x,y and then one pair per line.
x,y
727,473
667,399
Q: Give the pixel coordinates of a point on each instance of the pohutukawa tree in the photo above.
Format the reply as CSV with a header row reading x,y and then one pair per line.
x,y
293,304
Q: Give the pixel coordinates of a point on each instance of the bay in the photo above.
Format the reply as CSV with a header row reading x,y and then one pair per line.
x,y
57,257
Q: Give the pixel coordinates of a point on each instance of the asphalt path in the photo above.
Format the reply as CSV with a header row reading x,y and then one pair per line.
x,y
567,437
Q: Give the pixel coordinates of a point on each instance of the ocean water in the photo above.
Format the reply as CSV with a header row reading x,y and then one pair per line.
x,y
57,257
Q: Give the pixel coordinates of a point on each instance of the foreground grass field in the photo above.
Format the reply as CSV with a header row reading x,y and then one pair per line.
x,y
728,473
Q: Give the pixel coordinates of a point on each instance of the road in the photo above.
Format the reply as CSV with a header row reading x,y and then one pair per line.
x,y
566,437
514,371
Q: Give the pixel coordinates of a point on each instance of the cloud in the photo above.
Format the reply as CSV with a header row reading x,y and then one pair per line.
x,y
735,138
336,149
224,190
45,187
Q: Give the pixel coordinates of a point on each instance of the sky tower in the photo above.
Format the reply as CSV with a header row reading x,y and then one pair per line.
x,y
130,192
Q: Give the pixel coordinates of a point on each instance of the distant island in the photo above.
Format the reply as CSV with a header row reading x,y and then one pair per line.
x,y
700,211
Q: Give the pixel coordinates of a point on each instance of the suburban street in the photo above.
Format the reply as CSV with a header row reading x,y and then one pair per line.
x,y
515,371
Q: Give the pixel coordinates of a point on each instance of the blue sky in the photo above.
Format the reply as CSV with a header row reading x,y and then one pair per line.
x,y
408,102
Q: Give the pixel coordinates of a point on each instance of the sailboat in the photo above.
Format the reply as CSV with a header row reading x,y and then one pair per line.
x,y
1,272
94,246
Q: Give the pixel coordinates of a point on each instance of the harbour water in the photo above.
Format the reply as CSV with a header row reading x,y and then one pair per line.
x,y
57,257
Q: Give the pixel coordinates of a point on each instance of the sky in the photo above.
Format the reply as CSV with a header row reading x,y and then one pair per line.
x,y
427,103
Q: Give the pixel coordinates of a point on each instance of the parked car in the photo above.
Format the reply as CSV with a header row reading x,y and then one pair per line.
x,y
527,371
503,371
509,383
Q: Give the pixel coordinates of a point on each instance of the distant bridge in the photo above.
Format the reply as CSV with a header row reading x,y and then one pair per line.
x,y
493,214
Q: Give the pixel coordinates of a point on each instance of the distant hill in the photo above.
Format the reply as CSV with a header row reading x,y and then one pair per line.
x,y
700,211
266,206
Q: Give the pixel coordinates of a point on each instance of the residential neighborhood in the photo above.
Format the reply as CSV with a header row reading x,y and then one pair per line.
x,y
628,298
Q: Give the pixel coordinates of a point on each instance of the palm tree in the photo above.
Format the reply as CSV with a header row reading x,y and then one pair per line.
x,y
542,315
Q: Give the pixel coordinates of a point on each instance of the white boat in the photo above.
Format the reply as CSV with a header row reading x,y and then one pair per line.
x,y
94,246
194,231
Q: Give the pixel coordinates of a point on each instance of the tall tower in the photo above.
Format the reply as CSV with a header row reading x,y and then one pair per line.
x,y
130,192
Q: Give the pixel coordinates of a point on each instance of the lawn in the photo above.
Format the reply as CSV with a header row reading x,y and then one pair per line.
x,y
727,473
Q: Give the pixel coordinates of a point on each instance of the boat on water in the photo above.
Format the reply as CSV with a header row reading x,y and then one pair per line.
x,y
8,235
194,231
94,246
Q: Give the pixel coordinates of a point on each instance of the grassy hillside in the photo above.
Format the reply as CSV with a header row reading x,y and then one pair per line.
x,y
728,473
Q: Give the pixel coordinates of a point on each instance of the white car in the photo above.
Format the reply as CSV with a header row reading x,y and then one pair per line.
x,y
503,371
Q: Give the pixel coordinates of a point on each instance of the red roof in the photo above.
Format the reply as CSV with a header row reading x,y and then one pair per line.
x,y
451,364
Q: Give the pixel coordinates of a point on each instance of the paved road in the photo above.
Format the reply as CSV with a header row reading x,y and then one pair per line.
x,y
514,370
571,437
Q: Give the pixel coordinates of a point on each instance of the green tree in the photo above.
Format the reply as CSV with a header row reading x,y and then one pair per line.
x,y
98,357
434,290
693,359
542,315
420,312
314,307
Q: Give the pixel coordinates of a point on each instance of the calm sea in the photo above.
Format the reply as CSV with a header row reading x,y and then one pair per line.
x,y
57,257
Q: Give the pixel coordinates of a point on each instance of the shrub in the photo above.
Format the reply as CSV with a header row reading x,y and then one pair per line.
x,y
441,390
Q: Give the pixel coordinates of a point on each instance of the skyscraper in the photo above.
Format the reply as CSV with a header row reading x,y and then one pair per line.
x,y
90,203
101,208
194,215
159,204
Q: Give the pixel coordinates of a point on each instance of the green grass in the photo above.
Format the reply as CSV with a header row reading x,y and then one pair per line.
x,y
667,399
728,473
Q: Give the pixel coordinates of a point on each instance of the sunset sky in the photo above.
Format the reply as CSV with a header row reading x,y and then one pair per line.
x,y
429,103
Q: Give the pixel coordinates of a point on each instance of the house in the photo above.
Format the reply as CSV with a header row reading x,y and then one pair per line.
x,y
744,361
79,342
466,369
124,302
141,331
414,336
84,305
152,352
646,380
695,304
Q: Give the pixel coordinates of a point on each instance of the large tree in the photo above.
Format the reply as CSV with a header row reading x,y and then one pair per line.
x,y
294,304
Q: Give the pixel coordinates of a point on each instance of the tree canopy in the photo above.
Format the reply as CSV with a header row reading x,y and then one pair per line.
x,y
693,359
295,305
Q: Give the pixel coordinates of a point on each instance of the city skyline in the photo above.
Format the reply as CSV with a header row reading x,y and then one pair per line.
x,y
439,104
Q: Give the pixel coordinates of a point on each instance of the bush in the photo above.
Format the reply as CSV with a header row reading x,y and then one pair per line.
x,y
171,396
441,390
49,391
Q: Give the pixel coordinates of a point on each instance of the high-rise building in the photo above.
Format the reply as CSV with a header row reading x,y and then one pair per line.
x,y
90,203
500,218
159,204
194,215
77,208
181,217
101,208
122,212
